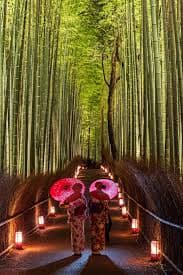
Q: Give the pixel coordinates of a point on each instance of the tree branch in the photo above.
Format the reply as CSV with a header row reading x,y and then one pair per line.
x,y
105,79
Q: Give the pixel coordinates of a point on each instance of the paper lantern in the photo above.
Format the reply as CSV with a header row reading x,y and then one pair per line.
x,y
119,195
155,250
124,212
41,223
52,211
121,202
102,167
18,240
135,226
106,170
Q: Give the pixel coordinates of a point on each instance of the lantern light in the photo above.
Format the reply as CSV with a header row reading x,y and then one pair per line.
x,y
106,170
52,211
135,226
110,174
119,195
121,202
102,167
124,211
41,223
155,250
18,240
111,177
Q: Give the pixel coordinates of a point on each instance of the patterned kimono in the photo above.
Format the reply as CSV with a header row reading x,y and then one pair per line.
x,y
77,225
98,221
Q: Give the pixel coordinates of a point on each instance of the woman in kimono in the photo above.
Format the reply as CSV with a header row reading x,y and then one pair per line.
x,y
76,217
98,208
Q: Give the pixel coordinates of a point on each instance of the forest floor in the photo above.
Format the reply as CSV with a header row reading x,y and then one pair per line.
x,y
49,252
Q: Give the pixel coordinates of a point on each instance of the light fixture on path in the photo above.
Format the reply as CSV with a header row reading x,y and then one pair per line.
x,y
41,223
18,240
135,226
121,202
155,250
124,211
52,211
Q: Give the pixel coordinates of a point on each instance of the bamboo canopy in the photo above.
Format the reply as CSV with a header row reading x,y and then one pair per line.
x,y
70,66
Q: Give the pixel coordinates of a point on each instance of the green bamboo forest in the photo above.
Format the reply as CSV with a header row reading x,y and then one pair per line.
x,y
84,77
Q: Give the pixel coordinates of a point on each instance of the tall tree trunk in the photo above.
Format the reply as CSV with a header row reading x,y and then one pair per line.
x,y
111,89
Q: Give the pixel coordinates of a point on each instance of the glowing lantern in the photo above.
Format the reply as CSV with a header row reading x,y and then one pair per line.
x,y
121,202
110,174
155,250
102,167
124,211
18,240
52,211
106,170
119,195
41,224
135,226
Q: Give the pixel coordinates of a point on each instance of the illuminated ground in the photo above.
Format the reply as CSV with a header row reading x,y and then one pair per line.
x,y
49,252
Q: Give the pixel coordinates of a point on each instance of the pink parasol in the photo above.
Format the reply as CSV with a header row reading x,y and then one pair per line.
x,y
62,189
109,187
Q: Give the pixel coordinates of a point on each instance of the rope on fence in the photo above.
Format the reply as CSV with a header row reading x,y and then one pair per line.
x,y
154,215
23,212
162,221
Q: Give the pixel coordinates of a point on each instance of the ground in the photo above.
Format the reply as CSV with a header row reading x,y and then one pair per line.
x,y
49,252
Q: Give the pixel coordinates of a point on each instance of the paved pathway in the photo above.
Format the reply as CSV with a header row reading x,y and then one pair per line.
x,y
49,252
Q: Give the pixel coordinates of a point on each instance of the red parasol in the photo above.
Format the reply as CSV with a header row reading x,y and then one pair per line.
x,y
62,189
109,187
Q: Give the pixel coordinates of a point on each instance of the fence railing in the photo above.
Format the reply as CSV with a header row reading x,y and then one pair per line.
x,y
161,221
16,217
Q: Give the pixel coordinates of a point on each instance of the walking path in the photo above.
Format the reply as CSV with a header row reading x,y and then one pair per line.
x,y
49,252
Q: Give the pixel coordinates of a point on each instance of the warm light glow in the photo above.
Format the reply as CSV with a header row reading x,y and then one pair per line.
x,y
18,237
41,220
121,202
135,226
119,189
124,211
52,210
110,174
106,170
155,250
41,224
119,195
111,177
102,167
18,240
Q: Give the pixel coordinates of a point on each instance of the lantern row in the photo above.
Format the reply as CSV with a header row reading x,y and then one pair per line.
x,y
41,219
135,228
107,172
40,225
77,171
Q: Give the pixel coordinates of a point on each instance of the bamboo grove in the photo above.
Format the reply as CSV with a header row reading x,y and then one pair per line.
x,y
149,100
80,77
38,92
